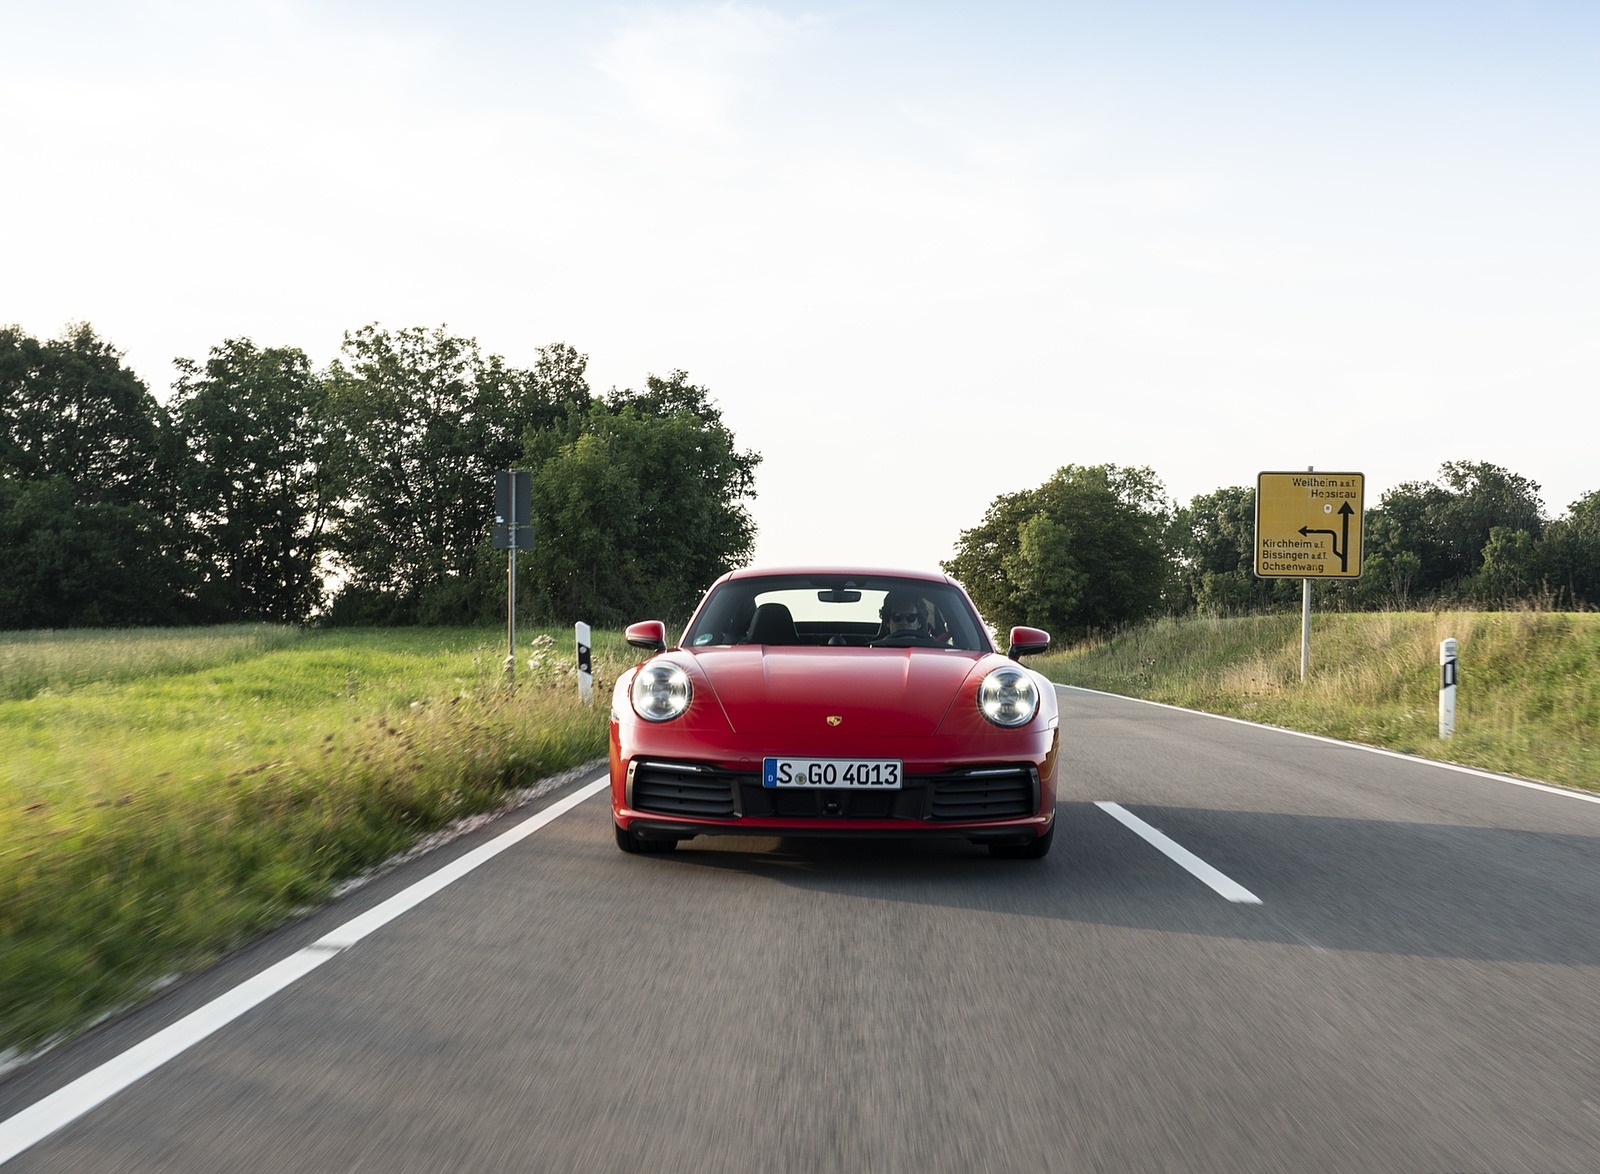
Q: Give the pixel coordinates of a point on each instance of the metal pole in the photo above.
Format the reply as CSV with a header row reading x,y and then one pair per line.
x,y
1305,619
511,609
1305,627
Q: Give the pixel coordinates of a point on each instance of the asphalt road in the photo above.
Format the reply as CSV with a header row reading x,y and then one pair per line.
x,y
1417,989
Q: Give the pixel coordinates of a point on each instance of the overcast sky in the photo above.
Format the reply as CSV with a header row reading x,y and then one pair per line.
x,y
921,254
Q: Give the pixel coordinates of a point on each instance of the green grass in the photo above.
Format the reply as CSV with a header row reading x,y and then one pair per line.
x,y
1528,703
168,794
32,663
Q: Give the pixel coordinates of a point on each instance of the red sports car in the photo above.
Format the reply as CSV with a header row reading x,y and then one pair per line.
x,y
834,702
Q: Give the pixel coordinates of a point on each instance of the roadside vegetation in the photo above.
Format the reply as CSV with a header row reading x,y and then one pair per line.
x,y
1097,548
166,794
1528,703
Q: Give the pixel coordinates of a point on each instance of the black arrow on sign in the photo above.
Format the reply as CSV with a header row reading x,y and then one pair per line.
x,y
1342,555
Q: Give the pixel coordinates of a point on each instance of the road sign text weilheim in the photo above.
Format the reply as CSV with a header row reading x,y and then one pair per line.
x,y
1308,525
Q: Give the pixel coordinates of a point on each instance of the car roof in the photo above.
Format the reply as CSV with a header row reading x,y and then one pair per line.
x,y
832,571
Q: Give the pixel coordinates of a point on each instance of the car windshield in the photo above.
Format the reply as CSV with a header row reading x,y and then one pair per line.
x,y
837,611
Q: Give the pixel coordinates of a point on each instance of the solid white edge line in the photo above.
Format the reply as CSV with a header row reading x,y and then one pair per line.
x,y
1224,885
38,1121
1548,788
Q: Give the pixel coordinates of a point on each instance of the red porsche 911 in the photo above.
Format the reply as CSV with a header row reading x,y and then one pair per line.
x,y
834,702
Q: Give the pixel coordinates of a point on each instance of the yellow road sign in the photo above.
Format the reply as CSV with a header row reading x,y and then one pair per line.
x,y
1308,525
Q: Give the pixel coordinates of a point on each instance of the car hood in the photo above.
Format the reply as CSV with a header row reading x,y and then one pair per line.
x,y
879,691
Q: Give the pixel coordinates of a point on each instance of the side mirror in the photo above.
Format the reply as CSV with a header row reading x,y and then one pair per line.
x,y
1025,641
650,635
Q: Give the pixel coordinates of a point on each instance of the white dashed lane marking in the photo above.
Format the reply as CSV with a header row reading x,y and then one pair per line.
x,y
1223,885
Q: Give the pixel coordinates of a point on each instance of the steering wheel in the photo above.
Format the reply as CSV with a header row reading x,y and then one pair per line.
x,y
907,640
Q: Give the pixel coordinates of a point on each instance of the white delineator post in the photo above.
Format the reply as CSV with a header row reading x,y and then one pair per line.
x,y
585,673
1449,672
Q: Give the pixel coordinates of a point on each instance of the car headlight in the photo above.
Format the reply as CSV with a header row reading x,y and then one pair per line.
x,y
1008,697
660,692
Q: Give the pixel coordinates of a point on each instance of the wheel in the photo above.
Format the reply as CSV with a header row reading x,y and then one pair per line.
x,y
1031,851
631,843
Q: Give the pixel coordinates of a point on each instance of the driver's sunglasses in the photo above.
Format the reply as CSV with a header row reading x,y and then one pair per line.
x,y
907,617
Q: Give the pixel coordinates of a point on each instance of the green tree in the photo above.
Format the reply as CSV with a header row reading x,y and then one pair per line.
x,y
554,398
1389,570
1484,497
1082,553
69,408
261,484
424,421
1508,573
1211,544
71,563
88,470
1447,526
983,551
1409,517
642,510
1567,556
1044,577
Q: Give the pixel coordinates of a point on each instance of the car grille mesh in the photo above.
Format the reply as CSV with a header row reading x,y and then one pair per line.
x,y
991,793
968,794
676,789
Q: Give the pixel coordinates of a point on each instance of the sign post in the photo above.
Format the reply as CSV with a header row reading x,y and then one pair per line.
x,y
513,531
1449,673
1308,525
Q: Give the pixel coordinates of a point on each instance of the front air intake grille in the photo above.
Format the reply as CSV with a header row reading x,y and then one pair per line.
x,y
984,793
699,791
683,789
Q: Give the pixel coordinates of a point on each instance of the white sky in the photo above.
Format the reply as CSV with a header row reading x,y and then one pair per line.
x,y
921,253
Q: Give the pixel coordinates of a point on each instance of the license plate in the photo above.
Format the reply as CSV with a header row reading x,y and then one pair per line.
x,y
880,774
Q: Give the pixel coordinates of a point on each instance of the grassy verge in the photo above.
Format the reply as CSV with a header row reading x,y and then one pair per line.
x,y
165,795
1528,703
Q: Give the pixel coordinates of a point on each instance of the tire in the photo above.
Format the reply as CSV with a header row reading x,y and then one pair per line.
x,y
634,845
1037,850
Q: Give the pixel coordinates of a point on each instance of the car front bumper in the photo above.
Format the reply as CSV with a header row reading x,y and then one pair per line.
x,y
990,802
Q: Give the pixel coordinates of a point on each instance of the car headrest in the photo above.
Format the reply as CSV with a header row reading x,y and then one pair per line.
x,y
773,623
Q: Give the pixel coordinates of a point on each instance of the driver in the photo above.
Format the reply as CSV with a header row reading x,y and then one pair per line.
x,y
904,615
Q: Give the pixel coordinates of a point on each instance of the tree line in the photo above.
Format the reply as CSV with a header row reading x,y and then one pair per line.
x,y
263,480
1096,547
265,488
